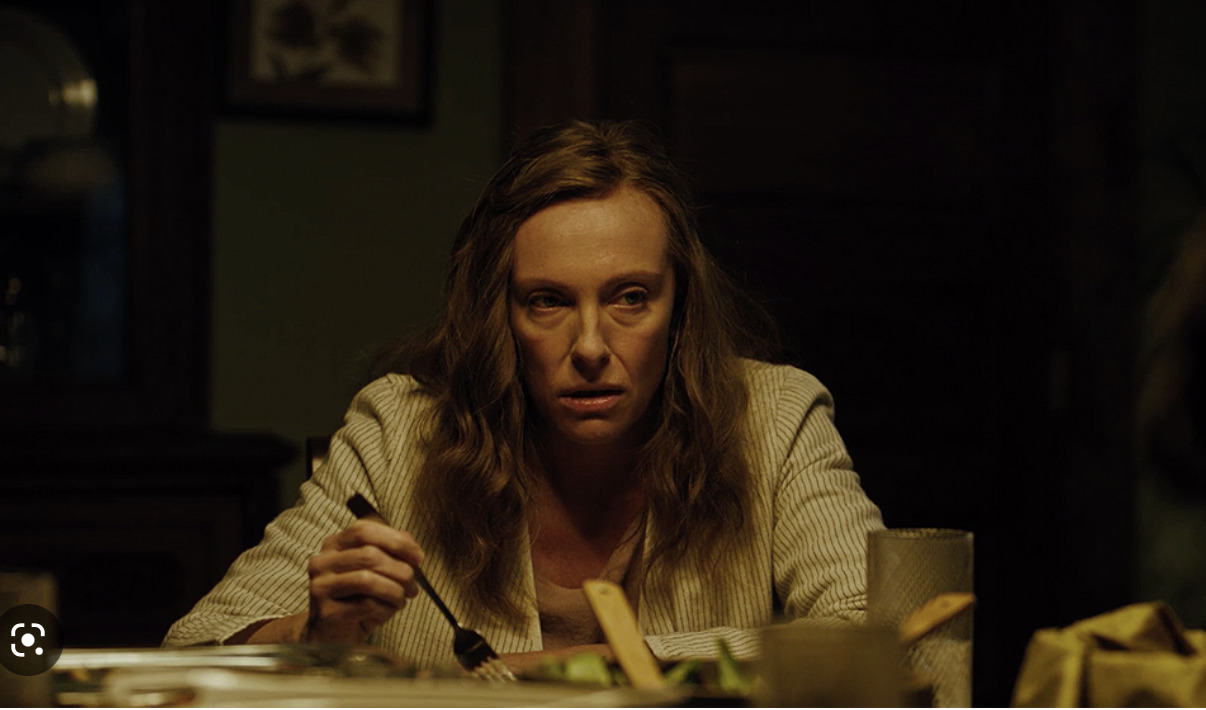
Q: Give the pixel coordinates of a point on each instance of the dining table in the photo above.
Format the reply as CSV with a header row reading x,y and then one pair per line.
x,y
310,675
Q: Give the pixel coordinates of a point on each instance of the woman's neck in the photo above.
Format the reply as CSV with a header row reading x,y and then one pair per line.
x,y
585,501
585,473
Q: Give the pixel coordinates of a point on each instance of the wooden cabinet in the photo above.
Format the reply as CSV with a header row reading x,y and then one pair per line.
x,y
134,527
154,68
109,478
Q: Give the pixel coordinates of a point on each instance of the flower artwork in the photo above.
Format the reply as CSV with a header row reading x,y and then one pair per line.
x,y
325,42
330,59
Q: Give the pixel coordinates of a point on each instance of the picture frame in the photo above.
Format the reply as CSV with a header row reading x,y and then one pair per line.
x,y
352,59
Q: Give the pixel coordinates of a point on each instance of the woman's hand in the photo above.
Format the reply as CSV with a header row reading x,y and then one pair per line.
x,y
359,578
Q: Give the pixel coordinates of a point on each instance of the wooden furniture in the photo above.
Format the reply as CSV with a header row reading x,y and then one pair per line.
x,y
137,528
155,66
114,483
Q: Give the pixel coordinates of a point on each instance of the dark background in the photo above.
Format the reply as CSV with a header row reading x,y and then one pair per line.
x,y
956,210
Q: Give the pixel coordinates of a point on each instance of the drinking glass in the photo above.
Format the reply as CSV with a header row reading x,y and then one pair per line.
x,y
907,567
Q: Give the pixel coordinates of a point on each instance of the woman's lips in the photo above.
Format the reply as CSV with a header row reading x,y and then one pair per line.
x,y
591,401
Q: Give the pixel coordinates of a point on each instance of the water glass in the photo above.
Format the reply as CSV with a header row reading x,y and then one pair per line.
x,y
907,567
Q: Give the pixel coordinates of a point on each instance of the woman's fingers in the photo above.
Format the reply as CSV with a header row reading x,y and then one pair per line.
x,y
356,606
361,576
397,543
345,620
358,583
367,559
367,544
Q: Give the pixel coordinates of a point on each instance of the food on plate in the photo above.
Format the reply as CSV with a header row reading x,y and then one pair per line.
x,y
724,676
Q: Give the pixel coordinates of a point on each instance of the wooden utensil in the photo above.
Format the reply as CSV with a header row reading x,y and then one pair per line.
x,y
619,625
932,614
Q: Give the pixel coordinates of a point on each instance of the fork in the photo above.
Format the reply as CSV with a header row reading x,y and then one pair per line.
x,y
469,647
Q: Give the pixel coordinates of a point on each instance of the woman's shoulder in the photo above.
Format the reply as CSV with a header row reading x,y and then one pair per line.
x,y
388,419
391,399
790,415
397,385
772,381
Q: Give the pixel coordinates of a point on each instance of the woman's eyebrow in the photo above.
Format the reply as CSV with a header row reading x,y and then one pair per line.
x,y
639,276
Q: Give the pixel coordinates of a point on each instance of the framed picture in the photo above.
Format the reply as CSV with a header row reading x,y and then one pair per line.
x,y
330,58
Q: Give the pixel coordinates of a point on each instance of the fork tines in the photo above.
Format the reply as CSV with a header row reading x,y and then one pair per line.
x,y
471,649
476,656
493,669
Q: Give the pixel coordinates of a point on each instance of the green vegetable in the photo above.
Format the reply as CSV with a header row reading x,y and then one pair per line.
x,y
730,677
551,669
587,667
682,672
692,674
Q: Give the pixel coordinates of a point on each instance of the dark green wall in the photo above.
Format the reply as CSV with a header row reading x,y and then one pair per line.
x,y
330,239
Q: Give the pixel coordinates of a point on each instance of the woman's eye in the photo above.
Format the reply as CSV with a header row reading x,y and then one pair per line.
x,y
633,298
543,301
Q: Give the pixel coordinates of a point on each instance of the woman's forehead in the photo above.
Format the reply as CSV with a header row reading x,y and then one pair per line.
x,y
622,229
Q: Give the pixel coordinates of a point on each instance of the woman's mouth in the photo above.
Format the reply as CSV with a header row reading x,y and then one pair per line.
x,y
591,401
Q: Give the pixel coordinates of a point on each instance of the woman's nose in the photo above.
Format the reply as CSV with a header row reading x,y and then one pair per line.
x,y
590,350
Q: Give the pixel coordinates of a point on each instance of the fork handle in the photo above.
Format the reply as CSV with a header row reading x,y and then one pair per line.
x,y
361,508
422,581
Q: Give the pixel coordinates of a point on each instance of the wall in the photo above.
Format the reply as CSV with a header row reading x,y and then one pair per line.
x,y
329,240
1171,492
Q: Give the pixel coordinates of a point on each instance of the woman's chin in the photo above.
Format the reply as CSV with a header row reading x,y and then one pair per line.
x,y
594,434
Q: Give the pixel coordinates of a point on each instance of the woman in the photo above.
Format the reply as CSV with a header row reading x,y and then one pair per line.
x,y
581,409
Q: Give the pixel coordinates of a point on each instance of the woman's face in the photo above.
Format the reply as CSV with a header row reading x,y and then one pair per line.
x,y
592,290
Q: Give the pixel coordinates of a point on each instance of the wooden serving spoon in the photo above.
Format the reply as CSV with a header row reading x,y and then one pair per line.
x,y
619,625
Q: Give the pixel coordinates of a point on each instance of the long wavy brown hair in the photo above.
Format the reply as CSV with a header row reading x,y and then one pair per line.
x,y
475,481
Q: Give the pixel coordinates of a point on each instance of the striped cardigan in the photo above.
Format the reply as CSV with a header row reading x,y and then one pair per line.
x,y
803,555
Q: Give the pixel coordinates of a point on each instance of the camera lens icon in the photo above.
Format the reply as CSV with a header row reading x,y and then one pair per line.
x,y
28,640
31,641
